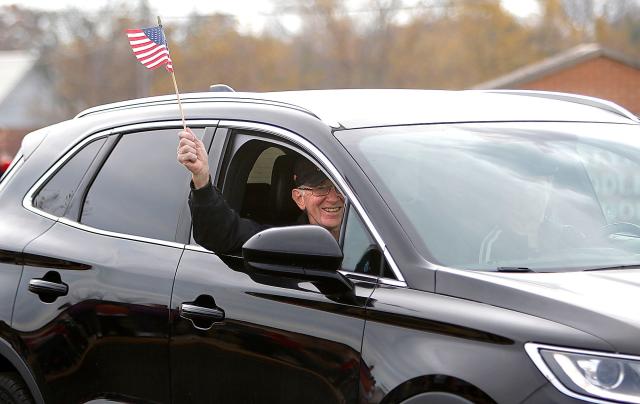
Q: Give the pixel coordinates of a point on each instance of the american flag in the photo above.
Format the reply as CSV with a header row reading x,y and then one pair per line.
x,y
150,47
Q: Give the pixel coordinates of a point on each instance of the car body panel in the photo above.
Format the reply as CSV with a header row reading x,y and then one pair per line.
x,y
280,339
115,313
602,303
412,333
357,108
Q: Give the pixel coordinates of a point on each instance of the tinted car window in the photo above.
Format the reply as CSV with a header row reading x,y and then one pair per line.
x,y
359,249
55,196
140,188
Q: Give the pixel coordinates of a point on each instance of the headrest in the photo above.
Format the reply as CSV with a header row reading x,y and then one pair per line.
x,y
284,210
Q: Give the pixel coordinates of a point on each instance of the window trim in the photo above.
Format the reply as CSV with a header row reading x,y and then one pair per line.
x,y
14,167
308,148
27,201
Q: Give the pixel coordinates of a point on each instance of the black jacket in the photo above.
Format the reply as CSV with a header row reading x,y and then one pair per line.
x,y
216,226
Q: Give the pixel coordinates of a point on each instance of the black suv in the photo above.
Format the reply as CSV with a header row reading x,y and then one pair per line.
x,y
489,252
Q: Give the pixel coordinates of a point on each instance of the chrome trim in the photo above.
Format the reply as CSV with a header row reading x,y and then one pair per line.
x,y
197,247
385,281
215,313
11,171
192,98
393,282
359,276
90,229
66,155
533,350
315,152
46,286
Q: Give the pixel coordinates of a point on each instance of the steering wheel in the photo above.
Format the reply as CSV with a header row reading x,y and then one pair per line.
x,y
623,228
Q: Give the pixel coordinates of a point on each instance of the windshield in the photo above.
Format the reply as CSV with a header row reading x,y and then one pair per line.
x,y
543,196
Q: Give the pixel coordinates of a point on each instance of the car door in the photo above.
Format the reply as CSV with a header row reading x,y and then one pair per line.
x,y
242,337
92,310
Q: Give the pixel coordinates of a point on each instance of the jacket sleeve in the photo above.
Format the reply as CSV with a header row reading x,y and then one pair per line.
x,y
216,226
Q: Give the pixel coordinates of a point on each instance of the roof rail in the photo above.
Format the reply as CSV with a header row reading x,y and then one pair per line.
x,y
579,99
221,88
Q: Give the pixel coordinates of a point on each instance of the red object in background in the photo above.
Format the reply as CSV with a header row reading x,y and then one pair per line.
x,y
4,164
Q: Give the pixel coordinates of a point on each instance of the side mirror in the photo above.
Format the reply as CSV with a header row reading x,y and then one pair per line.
x,y
301,252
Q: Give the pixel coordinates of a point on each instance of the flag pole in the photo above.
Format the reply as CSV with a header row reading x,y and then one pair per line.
x,y
175,84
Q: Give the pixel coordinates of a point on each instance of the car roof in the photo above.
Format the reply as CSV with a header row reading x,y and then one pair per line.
x,y
357,108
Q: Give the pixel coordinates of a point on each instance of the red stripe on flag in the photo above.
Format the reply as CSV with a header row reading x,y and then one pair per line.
x,y
149,51
152,59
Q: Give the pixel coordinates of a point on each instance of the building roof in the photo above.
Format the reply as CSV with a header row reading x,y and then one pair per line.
x,y
14,66
556,63
342,109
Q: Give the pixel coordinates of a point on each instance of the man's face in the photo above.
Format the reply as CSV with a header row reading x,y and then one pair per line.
x,y
327,210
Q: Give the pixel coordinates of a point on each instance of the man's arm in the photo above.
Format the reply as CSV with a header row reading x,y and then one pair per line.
x,y
216,226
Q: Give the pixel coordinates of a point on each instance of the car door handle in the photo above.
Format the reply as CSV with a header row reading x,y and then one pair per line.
x,y
193,312
40,286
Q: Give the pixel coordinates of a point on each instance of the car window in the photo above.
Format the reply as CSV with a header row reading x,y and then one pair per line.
x,y
55,196
140,188
249,173
360,251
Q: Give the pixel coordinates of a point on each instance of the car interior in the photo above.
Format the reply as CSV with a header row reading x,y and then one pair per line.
x,y
263,174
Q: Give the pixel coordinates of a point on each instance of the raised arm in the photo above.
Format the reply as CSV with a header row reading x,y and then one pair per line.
x,y
216,226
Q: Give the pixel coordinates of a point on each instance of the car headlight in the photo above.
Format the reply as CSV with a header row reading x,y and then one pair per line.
x,y
596,377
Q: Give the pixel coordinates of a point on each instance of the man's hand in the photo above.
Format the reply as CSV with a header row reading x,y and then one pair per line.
x,y
192,155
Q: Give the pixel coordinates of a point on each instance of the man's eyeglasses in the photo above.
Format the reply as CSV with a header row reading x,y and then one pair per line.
x,y
322,190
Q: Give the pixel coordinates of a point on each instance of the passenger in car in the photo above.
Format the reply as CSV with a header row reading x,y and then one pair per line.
x,y
220,229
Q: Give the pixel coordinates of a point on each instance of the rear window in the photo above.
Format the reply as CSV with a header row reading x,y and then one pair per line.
x,y
141,189
54,197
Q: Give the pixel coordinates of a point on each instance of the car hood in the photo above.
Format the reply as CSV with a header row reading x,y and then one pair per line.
x,y
604,303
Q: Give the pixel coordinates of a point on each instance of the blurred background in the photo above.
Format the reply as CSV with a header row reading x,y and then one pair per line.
x,y
60,57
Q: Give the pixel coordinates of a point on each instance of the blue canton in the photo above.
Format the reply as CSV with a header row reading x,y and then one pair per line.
x,y
155,34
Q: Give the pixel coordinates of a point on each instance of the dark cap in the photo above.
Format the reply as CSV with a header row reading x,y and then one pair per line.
x,y
307,173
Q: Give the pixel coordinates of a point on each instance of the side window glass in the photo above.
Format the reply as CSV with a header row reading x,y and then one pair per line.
x,y
361,254
140,188
56,194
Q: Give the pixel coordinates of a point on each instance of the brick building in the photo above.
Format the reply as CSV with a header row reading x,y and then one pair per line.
x,y
586,69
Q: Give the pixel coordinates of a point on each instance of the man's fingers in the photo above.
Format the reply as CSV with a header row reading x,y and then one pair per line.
x,y
191,151
187,149
184,158
186,145
185,140
188,134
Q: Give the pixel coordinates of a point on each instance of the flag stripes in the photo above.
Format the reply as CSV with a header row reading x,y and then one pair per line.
x,y
150,47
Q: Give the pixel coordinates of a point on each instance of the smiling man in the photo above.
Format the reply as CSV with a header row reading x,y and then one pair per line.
x,y
220,229
316,195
